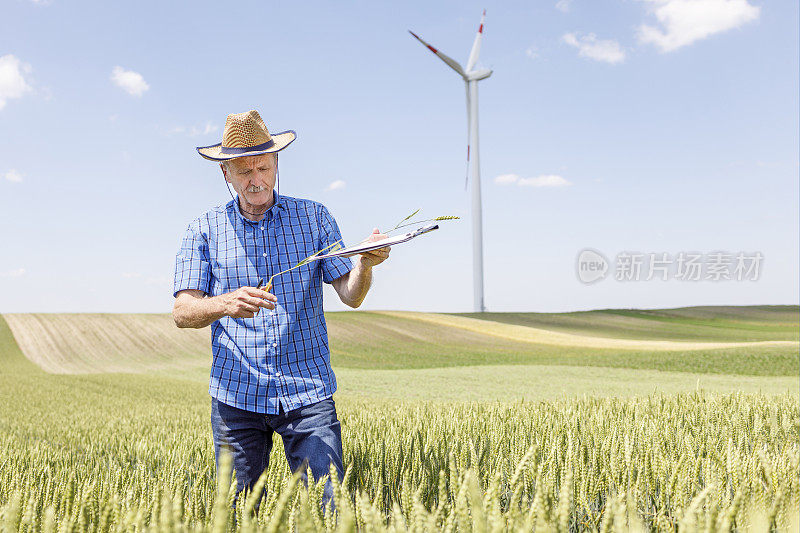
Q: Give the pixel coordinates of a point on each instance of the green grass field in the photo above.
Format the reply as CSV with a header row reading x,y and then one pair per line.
x,y
731,323
89,343
104,422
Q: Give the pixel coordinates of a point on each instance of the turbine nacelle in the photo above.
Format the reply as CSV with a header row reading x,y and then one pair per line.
x,y
477,75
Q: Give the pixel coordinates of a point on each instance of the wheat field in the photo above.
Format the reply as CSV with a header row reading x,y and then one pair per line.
x,y
117,443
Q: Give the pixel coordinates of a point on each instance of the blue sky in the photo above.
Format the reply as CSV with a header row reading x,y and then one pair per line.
x,y
672,126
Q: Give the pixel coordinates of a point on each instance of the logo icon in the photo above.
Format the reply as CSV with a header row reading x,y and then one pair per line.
x,y
592,266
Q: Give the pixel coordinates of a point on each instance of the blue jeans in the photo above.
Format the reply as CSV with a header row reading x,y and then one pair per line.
x,y
311,435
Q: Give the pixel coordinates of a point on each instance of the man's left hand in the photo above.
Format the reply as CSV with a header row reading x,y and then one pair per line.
x,y
375,257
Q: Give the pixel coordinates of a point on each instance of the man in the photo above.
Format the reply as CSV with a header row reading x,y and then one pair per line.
x,y
271,369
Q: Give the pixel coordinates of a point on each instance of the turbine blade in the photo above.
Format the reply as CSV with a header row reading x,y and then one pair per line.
x,y
476,46
452,63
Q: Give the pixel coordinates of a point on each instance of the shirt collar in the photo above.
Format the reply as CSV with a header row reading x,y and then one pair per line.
x,y
272,212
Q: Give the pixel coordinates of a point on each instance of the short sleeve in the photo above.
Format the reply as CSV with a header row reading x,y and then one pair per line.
x,y
192,263
332,267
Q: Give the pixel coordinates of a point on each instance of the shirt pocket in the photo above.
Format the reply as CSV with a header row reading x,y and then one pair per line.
x,y
232,267
293,247
297,285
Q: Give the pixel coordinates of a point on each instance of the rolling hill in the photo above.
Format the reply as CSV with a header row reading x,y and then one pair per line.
x,y
754,341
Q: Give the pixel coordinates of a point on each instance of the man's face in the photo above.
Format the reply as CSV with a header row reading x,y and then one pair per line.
x,y
252,177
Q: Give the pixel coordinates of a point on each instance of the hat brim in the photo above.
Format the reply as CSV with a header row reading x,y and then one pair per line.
x,y
214,152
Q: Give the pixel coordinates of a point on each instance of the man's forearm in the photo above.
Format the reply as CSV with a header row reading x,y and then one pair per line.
x,y
198,312
193,310
358,283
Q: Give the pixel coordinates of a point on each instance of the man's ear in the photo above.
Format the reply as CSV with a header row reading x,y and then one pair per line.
x,y
224,172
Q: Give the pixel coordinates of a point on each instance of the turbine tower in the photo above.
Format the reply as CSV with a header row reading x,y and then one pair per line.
x,y
472,76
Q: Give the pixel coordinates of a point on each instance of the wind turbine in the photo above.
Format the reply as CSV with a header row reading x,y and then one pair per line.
x,y
471,77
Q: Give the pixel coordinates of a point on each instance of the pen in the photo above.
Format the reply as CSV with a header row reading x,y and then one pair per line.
x,y
260,283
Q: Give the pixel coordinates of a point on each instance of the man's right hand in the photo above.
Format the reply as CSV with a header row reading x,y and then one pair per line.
x,y
245,302
193,309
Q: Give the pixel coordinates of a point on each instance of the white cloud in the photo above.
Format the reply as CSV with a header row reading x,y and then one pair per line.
x,y
335,185
193,131
148,280
544,180
563,5
532,52
683,22
17,272
12,78
505,179
162,281
210,127
590,46
13,176
129,81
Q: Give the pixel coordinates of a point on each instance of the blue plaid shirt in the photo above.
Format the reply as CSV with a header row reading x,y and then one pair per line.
x,y
280,355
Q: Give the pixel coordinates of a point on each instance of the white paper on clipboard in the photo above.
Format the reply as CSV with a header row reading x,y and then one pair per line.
x,y
374,245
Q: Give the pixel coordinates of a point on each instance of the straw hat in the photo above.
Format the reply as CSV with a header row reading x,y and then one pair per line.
x,y
246,134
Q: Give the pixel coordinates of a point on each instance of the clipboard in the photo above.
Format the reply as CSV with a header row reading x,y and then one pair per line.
x,y
374,245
